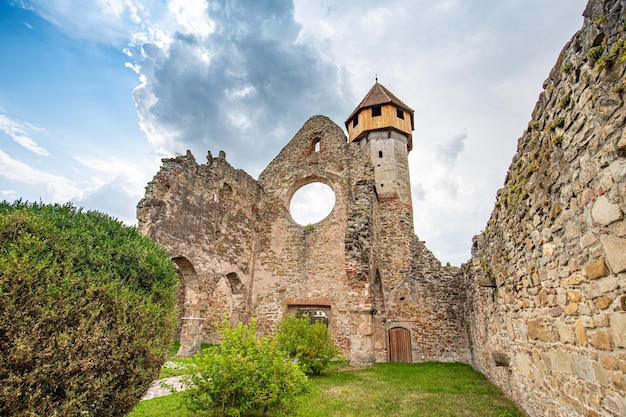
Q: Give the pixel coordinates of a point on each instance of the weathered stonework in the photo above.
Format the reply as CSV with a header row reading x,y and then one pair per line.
x,y
547,275
362,268
541,306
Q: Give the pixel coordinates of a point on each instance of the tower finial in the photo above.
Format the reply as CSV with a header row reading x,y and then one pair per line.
x,y
376,78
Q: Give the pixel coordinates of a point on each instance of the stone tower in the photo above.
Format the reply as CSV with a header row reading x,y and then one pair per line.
x,y
383,125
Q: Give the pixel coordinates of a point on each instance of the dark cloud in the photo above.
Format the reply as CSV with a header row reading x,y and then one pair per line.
x,y
251,93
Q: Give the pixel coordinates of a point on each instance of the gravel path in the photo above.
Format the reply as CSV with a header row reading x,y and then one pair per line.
x,y
162,387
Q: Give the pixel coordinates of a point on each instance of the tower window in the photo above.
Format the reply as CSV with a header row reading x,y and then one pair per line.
x,y
355,120
376,111
399,113
380,154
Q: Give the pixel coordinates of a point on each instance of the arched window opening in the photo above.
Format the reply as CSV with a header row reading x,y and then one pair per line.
x,y
316,145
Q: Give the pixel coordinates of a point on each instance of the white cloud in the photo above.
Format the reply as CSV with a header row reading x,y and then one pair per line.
x,y
129,176
19,133
59,188
192,17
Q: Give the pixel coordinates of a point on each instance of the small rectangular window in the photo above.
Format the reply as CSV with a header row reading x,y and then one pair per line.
x,y
399,113
355,120
380,154
376,111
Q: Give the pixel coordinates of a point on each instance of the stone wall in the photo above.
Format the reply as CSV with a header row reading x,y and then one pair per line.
x,y
205,215
546,283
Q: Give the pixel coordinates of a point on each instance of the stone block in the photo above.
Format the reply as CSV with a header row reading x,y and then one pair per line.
x,y
601,320
609,362
602,375
537,330
581,333
620,229
573,296
615,250
601,340
566,333
571,308
601,287
563,363
587,240
549,249
583,367
597,269
605,212
603,302
618,328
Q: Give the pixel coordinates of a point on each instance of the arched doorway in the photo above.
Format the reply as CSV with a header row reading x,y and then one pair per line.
x,y
189,310
400,345
238,298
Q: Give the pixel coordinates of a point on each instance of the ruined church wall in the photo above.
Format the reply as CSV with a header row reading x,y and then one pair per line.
x,y
298,264
546,283
206,217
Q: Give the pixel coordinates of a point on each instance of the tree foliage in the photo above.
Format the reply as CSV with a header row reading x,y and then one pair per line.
x,y
243,376
87,312
308,343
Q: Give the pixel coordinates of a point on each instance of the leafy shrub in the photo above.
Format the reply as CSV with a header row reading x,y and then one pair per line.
x,y
243,376
309,344
87,312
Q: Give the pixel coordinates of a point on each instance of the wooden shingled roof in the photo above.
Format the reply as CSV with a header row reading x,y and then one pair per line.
x,y
378,95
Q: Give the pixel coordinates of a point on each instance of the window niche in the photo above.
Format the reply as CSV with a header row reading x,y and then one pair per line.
x,y
376,111
316,145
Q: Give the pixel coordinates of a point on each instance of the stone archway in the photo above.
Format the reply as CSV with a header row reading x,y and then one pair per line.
x,y
228,297
189,308
238,307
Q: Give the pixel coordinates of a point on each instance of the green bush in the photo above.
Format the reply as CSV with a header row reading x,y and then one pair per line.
x,y
87,312
309,344
243,376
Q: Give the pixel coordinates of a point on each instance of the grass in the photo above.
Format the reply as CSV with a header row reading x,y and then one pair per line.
x,y
386,389
177,365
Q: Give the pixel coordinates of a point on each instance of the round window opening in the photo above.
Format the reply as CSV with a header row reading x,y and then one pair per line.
x,y
311,203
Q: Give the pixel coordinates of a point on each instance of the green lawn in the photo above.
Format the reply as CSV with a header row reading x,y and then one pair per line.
x,y
386,389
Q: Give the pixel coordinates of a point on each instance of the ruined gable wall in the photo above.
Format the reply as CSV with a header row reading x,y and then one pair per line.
x,y
298,262
547,279
206,215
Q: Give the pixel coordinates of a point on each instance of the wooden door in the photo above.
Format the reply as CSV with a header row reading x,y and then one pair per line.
x,y
399,345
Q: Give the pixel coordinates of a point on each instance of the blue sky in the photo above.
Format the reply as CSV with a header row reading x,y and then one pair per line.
x,y
93,94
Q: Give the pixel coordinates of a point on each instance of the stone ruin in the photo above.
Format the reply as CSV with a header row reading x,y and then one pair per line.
x,y
540,308
361,268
